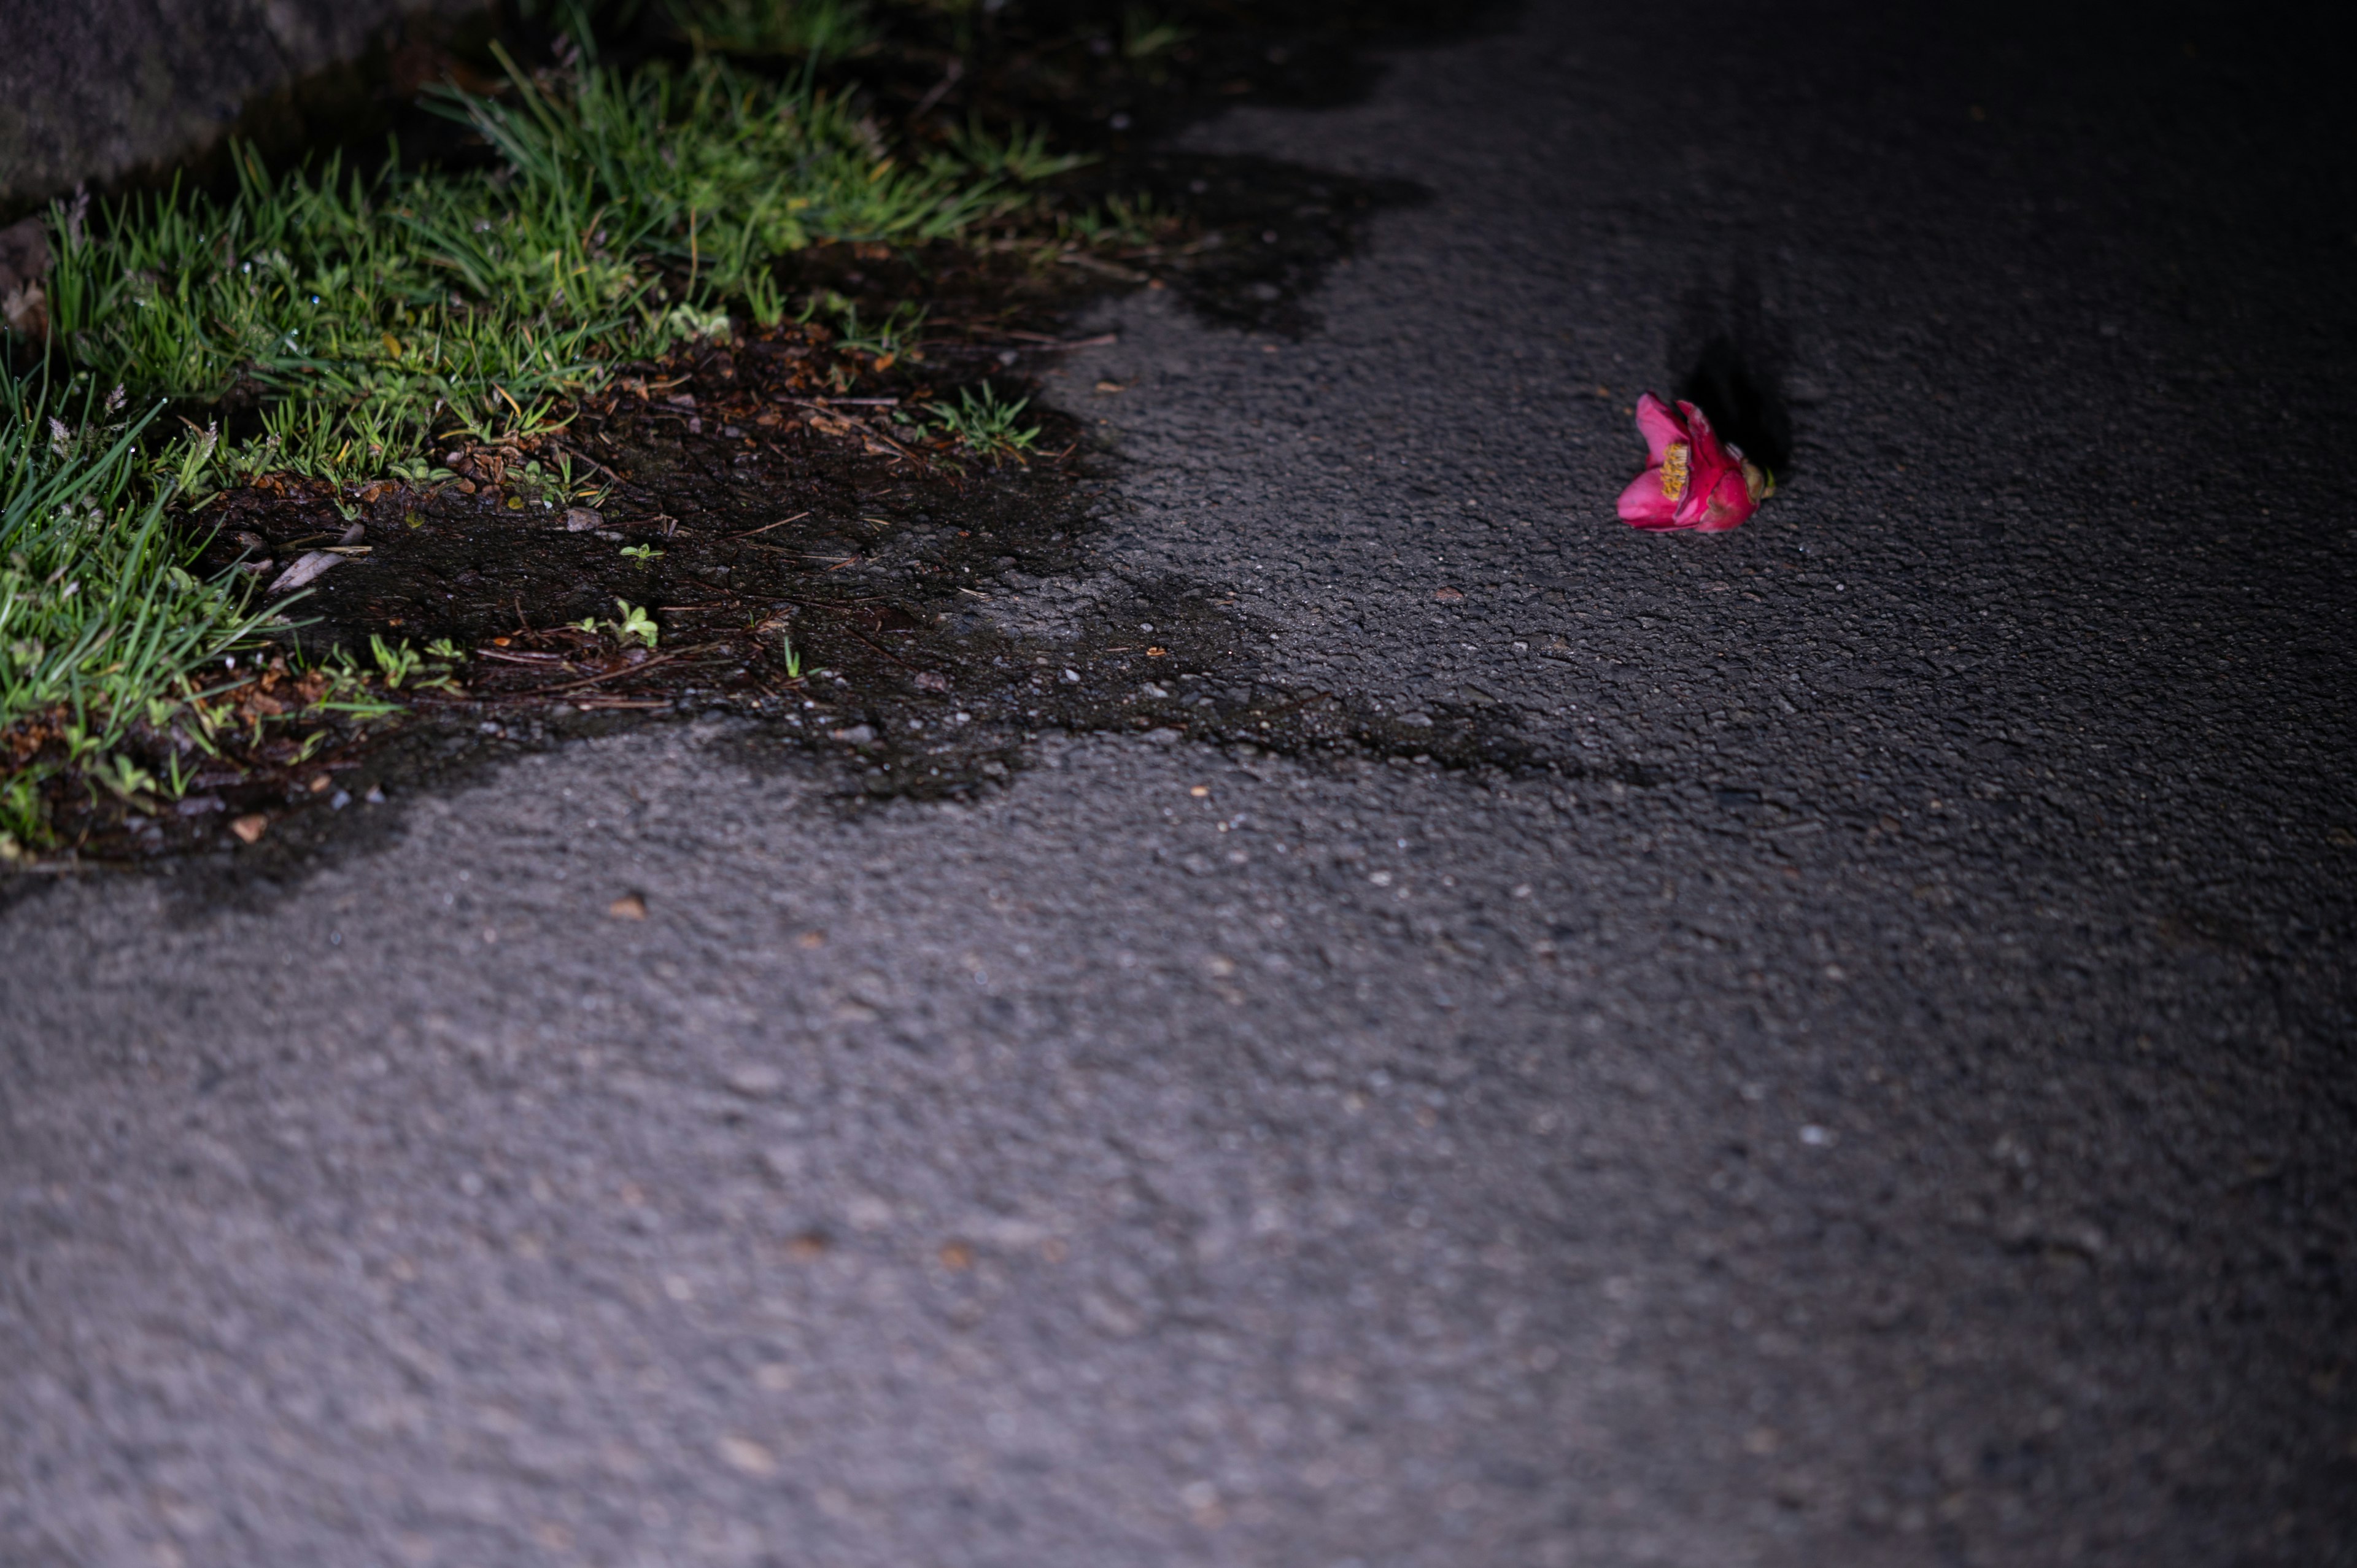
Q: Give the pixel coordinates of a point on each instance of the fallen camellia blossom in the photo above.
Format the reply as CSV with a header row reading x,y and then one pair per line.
x,y
1692,478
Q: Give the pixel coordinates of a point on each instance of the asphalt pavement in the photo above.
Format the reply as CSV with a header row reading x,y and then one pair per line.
x,y
1876,1090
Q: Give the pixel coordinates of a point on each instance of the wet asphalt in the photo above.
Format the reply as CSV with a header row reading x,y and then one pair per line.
x,y
1880,1092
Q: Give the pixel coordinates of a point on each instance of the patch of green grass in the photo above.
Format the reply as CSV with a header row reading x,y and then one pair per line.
x,y
1118,223
1145,37
398,662
712,172
986,424
376,313
374,318
1019,153
102,626
369,314
885,340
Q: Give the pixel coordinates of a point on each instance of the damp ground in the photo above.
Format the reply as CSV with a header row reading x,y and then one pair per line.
x,y
785,538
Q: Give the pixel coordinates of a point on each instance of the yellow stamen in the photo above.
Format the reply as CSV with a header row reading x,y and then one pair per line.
x,y
1674,470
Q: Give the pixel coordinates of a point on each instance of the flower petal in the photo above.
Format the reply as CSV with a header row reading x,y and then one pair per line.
x,y
1708,447
1659,426
1727,504
1642,504
1708,465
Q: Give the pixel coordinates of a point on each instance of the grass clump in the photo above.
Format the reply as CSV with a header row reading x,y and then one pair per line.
x,y
986,424
102,623
372,312
348,324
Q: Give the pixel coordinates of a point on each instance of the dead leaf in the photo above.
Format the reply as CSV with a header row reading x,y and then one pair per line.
x,y
23,252
1447,595
628,906
956,1256
1104,268
308,567
24,262
250,828
25,310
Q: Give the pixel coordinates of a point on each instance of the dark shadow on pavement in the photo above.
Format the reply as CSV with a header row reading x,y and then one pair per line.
x,y
1729,356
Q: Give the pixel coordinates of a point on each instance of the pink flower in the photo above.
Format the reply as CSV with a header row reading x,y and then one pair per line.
x,y
1692,478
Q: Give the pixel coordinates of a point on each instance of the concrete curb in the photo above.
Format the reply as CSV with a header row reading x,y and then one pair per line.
x,y
96,91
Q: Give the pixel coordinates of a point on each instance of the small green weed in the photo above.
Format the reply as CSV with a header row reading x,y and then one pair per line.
x,y
1019,153
400,664
986,424
549,484
23,824
765,298
641,553
1145,37
636,625
420,471
397,662
1118,223
346,693
126,779
885,341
